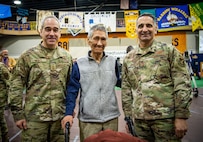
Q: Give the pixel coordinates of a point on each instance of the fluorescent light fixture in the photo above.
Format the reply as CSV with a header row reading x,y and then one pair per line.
x,y
17,2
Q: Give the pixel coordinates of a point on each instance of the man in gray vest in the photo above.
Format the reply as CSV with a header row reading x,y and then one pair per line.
x,y
96,77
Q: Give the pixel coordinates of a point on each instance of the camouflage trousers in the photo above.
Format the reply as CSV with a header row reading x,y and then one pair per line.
x,y
89,128
50,131
3,127
162,130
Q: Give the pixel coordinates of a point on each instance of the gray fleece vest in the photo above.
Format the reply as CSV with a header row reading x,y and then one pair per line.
x,y
98,102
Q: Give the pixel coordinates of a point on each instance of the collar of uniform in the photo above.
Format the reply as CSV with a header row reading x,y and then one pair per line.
x,y
57,51
46,47
149,49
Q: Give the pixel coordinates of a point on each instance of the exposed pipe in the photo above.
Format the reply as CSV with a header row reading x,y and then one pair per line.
x,y
75,5
102,4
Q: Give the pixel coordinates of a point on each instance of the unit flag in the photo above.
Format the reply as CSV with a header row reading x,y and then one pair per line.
x,y
196,12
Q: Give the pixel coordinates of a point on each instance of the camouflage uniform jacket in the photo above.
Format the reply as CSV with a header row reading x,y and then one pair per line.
x,y
4,84
44,78
156,83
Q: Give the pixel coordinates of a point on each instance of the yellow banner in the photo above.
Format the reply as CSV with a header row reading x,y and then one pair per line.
x,y
196,21
130,21
64,43
179,41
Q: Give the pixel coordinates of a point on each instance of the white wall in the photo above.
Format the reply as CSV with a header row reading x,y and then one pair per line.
x,y
18,44
192,42
78,47
201,41
115,46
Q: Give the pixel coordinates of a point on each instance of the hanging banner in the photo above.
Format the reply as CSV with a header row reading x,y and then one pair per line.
x,y
5,11
120,22
150,11
196,12
22,12
71,20
64,43
108,19
176,38
130,22
22,15
133,4
124,4
176,17
179,41
21,20
40,15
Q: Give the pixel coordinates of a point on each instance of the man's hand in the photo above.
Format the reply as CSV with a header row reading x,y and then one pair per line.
x,y
180,127
68,118
22,124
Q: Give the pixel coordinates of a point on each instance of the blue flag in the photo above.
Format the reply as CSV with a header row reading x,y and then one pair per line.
x,y
5,11
133,4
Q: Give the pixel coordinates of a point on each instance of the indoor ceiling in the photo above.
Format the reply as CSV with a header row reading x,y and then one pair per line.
x,y
86,5
91,5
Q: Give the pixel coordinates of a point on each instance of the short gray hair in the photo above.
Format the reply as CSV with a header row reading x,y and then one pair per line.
x,y
98,27
47,17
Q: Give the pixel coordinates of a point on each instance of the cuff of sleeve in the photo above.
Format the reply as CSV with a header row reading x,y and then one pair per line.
x,y
128,113
182,114
18,117
68,113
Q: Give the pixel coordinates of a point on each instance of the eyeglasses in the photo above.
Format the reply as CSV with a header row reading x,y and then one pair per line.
x,y
49,29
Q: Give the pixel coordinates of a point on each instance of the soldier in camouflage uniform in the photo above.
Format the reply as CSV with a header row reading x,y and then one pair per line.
x,y
4,84
156,87
43,71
